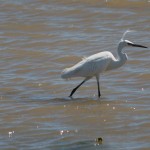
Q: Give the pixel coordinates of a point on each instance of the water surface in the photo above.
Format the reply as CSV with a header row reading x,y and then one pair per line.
x,y
38,40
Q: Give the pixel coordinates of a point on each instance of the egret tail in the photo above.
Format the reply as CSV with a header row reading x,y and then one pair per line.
x,y
68,73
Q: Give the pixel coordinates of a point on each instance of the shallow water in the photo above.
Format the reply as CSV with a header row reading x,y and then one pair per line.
x,y
38,40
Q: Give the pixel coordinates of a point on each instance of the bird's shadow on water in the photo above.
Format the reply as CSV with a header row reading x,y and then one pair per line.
x,y
63,100
77,99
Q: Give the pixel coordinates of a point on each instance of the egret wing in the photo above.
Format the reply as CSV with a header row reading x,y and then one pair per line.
x,y
88,67
95,65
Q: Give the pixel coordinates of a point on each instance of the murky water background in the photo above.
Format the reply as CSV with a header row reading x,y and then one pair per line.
x,y
40,38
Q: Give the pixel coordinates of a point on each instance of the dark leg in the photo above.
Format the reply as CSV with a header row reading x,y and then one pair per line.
x,y
98,85
73,91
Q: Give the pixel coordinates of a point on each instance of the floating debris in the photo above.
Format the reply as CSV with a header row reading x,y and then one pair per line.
x,y
10,133
39,84
61,132
133,108
114,108
98,140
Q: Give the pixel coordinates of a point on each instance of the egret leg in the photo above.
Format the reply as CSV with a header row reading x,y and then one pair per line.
x,y
73,91
98,85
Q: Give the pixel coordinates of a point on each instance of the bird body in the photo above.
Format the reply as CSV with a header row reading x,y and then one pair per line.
x,y
90,66
95,64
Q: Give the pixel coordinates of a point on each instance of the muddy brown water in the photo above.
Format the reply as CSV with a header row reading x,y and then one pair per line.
x,y
38,40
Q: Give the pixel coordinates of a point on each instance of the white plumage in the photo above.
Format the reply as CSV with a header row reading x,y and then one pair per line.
x,y
89,66
98,63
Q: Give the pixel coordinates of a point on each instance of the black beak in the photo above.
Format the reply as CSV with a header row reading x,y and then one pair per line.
x,y
137,45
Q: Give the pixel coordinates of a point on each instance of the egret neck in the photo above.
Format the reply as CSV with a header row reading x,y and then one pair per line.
x,y
122,58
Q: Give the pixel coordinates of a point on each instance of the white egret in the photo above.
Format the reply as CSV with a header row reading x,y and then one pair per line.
x,y
98,63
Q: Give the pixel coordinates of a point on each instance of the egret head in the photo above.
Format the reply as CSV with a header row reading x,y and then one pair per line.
x,y
124,43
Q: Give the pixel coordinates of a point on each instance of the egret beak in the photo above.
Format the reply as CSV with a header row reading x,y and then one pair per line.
x,y
137,45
